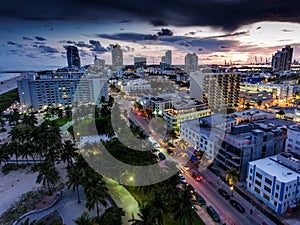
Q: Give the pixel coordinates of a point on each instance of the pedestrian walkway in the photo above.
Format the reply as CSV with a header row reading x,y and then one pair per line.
x,y
123,199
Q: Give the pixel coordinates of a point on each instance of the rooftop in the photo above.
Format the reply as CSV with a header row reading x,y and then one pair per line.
x,y
272,167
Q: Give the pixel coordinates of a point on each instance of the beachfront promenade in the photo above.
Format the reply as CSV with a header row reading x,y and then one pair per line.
x,y
69,209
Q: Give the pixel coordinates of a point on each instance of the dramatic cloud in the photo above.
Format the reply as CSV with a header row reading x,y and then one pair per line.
x,y
158,22
15,44
97,47
225,14
123,36
27,38
165,32
47,49
40,38
287,30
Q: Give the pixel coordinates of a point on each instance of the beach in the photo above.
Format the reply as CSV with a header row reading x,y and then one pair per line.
x,y
9,84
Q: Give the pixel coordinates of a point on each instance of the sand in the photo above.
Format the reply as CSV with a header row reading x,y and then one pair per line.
x,y
10,84
19,182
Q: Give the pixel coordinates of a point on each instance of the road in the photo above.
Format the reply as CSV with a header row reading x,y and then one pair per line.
x,y
208,187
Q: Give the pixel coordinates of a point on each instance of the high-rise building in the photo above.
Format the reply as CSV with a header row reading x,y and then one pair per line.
x,y
191,62
282,60
117,57
73,56
99,63
168,58
61,88
139,62
218,90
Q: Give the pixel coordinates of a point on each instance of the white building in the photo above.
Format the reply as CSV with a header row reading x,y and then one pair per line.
x,y
136,85
168,57
275,180
252,115
183,110
293,139
202,133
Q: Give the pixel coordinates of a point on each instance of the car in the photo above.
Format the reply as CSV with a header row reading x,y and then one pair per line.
x,y
192,189
182,178
196,176
224,193
161,156
237,206
212,212
186,167
200,199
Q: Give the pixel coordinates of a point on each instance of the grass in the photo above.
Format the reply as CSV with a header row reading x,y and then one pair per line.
x,y
8,98
61,121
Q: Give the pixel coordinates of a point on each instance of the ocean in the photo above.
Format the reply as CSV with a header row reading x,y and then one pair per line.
x,y
7,76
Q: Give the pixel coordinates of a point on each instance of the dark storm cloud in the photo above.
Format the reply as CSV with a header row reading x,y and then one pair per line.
x,y
40,38
123,36
27,38
153,37
228,15
97,47
124,21
287,30
165,32
15,44
158,22
47,49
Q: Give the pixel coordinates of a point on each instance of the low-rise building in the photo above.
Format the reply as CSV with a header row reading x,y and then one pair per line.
x,y
275,180
245,143
184,110
293,139
136,86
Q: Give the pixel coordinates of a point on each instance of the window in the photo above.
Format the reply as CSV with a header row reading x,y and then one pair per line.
x,y
276,195
277,187
268,181
275,203
250,178
258,175
258,182
267,189
257,190
266,196
251,170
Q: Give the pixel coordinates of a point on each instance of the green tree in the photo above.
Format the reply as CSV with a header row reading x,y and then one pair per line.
x,y
159,206
232,176
48,176
259,103
111,216
84,219
146,216
68,152
184,208
74,180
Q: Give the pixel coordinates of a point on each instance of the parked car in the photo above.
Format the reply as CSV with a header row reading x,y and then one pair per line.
x,y
200,199
196,176
224,193
212,212
182,178
161,156
237,206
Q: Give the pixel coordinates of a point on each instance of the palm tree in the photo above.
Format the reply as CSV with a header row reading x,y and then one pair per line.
x,y
48,176
84,219
146,216
4,155
95,190
184,207
111,216
74,180
68,152
232,176
159,206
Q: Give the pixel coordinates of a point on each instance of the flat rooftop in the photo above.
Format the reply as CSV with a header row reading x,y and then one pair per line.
x,y
272,167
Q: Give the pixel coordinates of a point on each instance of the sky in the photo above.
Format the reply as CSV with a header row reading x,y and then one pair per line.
x,y
34,33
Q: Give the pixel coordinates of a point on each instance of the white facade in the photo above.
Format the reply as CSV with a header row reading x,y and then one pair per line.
x,y
274,183
117,57
136,85
293,139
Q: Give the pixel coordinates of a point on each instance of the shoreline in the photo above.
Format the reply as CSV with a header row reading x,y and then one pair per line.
x,y
9,84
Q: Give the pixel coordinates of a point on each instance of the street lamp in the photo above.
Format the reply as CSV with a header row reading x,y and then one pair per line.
x,y
231,188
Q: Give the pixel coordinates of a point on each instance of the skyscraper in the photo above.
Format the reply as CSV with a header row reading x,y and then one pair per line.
x,y
117,57
219,90
282,60
99,63
73,57
139,62
168,58
191,62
